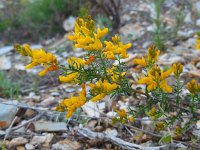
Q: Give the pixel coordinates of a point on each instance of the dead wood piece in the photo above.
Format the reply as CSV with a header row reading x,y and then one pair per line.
x,y
121,143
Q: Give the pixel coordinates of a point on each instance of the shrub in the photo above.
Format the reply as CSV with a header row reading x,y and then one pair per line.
x,y
163,104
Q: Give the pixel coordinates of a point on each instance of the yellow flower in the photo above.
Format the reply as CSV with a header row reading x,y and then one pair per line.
x,y
47,69
110,55
177,69
114,75
197,46
101,33
77,63
47,60
121,113
153,54
152,113
74,102
100,89
131,119
177,131
156,78
97,45
71,77
86,35
193,87
160,126
150,59
23,50
116,48
141,61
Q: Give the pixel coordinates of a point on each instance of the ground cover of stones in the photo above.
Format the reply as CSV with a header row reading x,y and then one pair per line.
x,y
29,122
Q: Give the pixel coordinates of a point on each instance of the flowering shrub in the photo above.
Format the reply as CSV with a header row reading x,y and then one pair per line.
x,y
95,70
98,72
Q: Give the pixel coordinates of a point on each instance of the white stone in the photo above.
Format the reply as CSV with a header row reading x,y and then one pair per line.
x,y
36,46
188,18
48,101
198,22
131,57
5,49
90,108
151,28
29,147
198,124
111,114
101,105
111,132
55,94
147,124
5,63
69,23
19,67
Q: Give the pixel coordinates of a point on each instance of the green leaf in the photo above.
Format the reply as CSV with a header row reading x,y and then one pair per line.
x,y
166,138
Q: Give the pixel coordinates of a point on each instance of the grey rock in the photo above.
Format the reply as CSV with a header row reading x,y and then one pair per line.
x,y
188,18
197,6
36,46
66,145
198,65
49,126
112,132
70,90
5,49
37,140
7,113
18,141
133,29
185,34
29,147
196,133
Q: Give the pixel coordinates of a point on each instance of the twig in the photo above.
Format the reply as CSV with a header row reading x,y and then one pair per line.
x,y
121,143
10,128
129,131
22,105
29,121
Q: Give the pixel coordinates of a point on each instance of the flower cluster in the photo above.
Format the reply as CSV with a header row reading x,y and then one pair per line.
x,y
86,35
123,117
73,103
100,89
116,49
39,57
193,86
156,78
150,59
177,69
